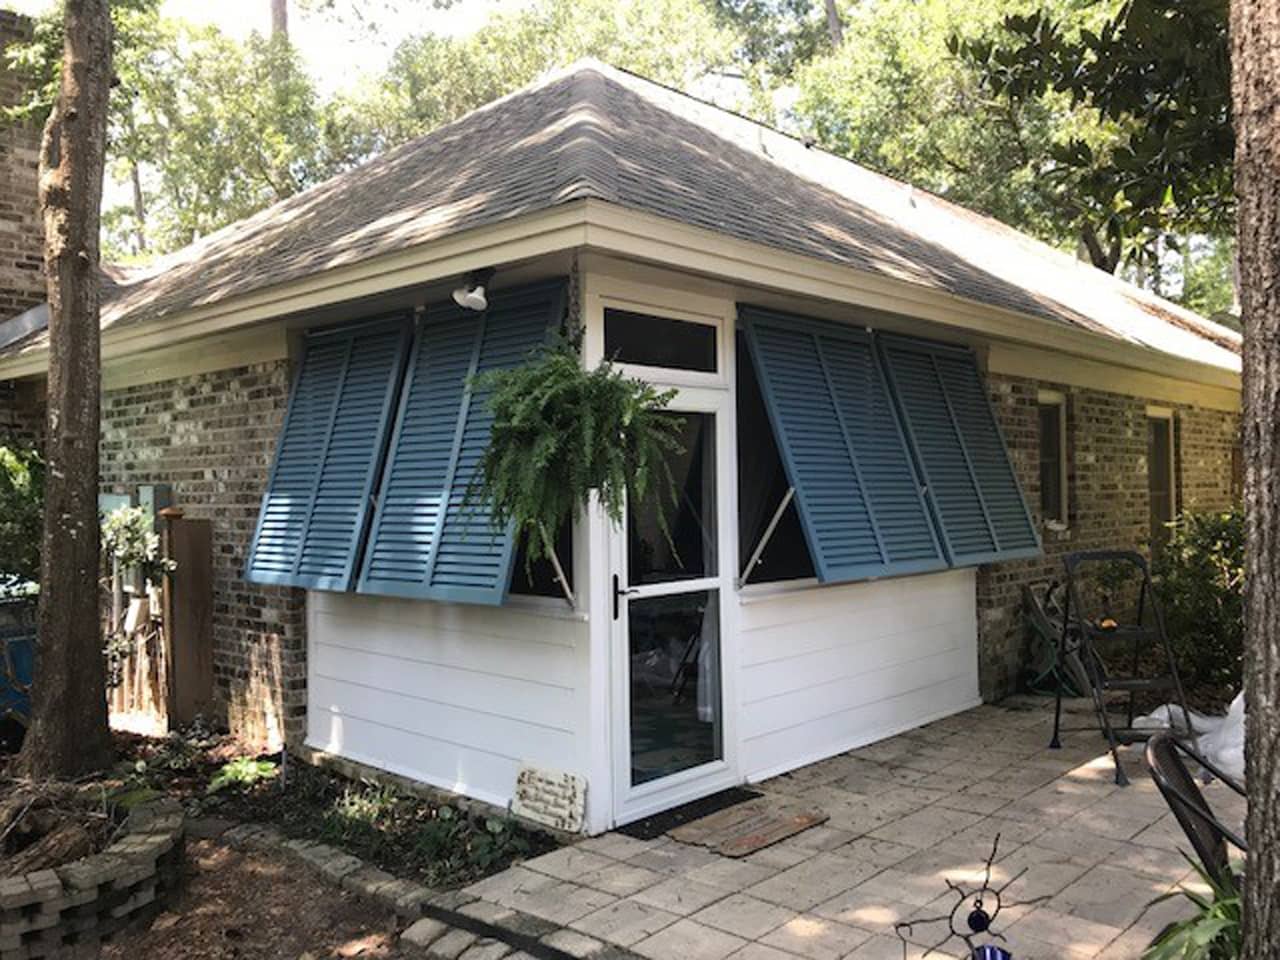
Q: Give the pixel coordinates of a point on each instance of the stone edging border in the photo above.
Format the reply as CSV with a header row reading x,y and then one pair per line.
x,y
450,925
88,900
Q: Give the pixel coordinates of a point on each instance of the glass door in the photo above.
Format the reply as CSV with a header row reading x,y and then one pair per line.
x,y
667,609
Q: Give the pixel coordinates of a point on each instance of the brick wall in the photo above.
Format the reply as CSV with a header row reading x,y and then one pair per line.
x,y
212,438
21,255
1107,496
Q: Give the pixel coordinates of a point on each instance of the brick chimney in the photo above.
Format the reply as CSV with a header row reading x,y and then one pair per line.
x,y
21,234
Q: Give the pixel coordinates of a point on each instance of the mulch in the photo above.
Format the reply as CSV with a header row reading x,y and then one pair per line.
x,y
258,906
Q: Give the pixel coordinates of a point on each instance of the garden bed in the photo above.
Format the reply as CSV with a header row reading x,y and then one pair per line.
x,y
428,840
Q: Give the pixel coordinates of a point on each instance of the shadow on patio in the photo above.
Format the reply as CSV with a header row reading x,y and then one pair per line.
x,y
906,814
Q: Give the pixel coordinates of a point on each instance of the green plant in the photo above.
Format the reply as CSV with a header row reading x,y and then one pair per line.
x,y
129,538
1200,580
242,772
1214,933
21,520
560,433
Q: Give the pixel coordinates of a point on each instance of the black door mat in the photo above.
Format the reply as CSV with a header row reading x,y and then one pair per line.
x,y
650,828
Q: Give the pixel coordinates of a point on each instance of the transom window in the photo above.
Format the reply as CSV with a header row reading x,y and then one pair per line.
x,y
659,341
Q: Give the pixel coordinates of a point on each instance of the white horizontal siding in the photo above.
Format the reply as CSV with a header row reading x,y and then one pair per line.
x,y
828,669
454,695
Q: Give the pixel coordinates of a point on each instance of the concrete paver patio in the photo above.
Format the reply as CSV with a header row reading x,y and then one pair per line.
x,y
906,815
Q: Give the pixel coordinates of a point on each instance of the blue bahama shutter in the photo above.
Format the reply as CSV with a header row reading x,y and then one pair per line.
x,y
427,541
969,480
330,452
857,494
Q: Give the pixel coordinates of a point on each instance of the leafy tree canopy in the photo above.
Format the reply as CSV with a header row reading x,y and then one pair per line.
x,y
1160,73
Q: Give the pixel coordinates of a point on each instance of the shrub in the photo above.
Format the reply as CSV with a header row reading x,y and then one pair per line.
x,y
21,507
1200,582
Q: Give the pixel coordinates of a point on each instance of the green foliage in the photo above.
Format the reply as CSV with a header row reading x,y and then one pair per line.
x,y
479,843
432,80
129,538
242,772
1160,73
1215,932
898,102
21,513
777,36
1200,579
561,432
1208,279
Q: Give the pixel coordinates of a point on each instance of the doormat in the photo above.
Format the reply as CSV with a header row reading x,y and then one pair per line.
x,y
748,827
650,828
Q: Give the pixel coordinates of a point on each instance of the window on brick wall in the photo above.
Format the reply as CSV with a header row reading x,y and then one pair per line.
x,y
1237,472
1053,457
1161,475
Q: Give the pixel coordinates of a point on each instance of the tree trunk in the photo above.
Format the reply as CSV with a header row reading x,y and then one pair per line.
x,y
280,19
1255,61
835,26
68,734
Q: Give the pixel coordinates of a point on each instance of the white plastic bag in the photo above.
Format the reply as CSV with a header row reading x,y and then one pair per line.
x,y
1220,740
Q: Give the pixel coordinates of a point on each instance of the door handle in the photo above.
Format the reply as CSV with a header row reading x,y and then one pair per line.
x,y
619,591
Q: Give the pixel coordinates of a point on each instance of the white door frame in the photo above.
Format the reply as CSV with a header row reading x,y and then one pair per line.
x,y
631,803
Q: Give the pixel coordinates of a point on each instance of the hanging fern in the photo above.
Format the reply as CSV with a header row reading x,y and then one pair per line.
x,y
561,432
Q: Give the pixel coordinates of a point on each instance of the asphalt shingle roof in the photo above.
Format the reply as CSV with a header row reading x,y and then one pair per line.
x,y
596,132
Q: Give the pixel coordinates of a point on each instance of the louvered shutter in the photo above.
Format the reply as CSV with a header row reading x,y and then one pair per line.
x,y
857,494
427,541
969,479
317,504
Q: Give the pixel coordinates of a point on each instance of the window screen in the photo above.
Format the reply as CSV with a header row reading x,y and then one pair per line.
x,y
762,486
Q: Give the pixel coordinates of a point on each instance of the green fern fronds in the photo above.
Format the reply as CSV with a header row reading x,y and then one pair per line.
x,y
560,433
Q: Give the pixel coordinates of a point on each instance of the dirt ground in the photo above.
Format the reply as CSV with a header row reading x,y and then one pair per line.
x,y
238,906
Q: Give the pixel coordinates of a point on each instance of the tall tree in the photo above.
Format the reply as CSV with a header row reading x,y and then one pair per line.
x,y
835,26
1158,73
68,733
1255,58
897,101
280,19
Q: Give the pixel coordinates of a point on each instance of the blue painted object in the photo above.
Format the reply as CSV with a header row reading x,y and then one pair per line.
x,y
17,659
859,500
970,481
427,540
991,952
330,453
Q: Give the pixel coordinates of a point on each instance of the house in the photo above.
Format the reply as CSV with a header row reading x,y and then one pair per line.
x,y
895,413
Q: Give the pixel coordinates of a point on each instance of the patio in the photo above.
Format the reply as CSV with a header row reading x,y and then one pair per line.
x,y
906,814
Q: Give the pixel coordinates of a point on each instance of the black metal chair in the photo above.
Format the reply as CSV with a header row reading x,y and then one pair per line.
x,y
1209,836
1089,628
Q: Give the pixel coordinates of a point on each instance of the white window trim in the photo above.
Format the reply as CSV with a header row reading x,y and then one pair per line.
x,y
1062,523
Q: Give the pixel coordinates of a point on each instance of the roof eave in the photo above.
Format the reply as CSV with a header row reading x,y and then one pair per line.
x,y
609,228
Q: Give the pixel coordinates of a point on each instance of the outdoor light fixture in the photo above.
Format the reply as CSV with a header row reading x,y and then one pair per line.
x,y
470,296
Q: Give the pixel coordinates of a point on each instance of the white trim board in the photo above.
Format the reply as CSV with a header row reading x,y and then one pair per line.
x,y
610,229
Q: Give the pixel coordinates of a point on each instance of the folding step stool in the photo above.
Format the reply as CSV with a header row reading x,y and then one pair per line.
x,y
1084,628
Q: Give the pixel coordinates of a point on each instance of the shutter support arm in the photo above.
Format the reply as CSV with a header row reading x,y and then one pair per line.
x,y
555,564
766,536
